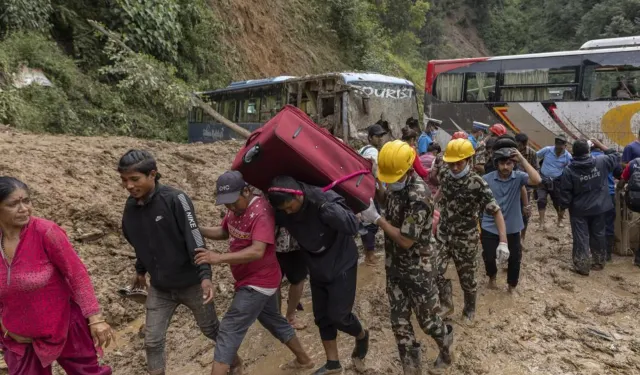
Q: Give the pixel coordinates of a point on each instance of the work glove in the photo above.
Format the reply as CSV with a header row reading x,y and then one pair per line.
x,y
502,252
370,215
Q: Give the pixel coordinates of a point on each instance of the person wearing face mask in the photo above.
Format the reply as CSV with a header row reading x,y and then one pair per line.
x,y
506,185
463,194
410,257
429,135
478,132
249,225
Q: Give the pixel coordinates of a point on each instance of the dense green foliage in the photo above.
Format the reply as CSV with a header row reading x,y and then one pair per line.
x,y
101,88
98,88
524,26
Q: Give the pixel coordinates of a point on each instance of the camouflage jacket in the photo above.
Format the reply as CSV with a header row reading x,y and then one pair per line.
x,y
410,210
462,201
480,157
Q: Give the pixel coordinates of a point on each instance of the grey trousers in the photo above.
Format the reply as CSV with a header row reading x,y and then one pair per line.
x,y
161,304
588,233
249,305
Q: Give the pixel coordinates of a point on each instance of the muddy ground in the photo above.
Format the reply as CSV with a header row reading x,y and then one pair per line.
x,y
560,323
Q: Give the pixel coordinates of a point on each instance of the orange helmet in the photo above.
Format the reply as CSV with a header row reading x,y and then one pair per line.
x,y
458,135
498,129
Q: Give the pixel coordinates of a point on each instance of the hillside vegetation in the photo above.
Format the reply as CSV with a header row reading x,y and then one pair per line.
x,y
189,45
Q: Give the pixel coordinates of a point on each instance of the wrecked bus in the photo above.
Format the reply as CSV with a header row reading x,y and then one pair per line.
x,y
343,103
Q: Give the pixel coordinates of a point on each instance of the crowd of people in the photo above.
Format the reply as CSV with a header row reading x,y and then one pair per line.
x,y
478,189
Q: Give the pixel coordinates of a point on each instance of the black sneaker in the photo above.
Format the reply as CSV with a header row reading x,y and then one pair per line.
x,y
362,347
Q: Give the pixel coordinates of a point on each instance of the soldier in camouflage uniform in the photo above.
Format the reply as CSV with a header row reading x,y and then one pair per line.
x,y
463,194
410,258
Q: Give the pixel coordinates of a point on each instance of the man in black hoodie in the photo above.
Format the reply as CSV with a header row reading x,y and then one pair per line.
x,y
325,228
584,190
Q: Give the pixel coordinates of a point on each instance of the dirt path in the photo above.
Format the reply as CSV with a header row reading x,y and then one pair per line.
x,y
550,328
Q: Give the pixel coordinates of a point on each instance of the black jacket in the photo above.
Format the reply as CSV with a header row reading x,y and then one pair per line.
x,y
164,233
324,228
584,184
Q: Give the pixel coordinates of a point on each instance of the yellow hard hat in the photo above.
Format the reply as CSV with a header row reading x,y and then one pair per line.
x,y
458,149
394,160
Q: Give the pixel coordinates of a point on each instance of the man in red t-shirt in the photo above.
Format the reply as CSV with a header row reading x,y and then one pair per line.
x,y
250,227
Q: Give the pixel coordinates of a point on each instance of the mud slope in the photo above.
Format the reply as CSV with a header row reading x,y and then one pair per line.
x,y
550,328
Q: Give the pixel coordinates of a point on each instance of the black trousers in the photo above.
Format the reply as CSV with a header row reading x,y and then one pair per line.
x,y
333,305
588,241
490,243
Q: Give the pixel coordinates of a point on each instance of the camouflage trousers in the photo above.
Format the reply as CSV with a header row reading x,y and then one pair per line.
x,y
414,292
463,249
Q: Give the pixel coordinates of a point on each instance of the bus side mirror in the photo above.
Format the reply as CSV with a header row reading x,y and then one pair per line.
x,y
365,105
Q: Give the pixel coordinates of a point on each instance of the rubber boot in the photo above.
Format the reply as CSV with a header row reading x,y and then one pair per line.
x,y
411,359
611,243
469,312
445,357
446,299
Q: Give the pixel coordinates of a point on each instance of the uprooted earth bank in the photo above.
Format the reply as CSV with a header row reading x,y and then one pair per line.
x,y
560,323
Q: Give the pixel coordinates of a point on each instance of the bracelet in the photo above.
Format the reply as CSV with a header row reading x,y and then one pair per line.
x,y
98,322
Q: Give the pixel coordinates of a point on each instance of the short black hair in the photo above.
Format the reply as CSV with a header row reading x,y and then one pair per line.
x,y
580,148
141,161
522,138
413,123
10,184
279,198
408,133
434,146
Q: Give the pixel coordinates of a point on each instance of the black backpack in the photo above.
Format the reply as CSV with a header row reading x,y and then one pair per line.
x,y
633,190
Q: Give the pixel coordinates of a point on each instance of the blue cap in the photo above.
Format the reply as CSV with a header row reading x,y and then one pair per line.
x,y
477,125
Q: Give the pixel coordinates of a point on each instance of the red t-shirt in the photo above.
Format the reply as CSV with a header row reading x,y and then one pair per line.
x,y
257,223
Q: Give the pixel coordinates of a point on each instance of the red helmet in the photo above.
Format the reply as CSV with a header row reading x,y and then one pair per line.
x,y
498,129
458,135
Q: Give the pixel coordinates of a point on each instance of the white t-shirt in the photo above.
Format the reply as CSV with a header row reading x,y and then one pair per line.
x,y
371,153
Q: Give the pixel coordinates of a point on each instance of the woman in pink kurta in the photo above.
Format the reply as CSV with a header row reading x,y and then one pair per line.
x,y
48,308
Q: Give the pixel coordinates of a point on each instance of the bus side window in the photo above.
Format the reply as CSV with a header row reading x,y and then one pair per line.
x,y
610,83
481,87
449,87
249,111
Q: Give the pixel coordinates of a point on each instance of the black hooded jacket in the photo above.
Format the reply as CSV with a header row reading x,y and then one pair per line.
x,y
324,228
584,185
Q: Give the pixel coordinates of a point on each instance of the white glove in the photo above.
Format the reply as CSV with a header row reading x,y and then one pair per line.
x,y
370,215
502,252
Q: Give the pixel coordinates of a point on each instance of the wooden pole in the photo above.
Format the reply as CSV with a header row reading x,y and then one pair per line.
x,y
195,99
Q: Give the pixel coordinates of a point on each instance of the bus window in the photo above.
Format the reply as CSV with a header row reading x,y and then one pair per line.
x,y
481,87
228,109
610,83
270,105
449,87
198,115
249,111
538,84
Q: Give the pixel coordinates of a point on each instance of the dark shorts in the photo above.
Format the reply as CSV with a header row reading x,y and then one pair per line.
x,y
293,266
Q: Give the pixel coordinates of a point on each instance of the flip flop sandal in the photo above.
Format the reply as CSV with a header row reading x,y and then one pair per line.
x,y
295,365
136,295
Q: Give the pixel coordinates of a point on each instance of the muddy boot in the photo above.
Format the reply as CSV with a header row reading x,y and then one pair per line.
x,y
445,358
469,312
611,244
411,359
446,300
